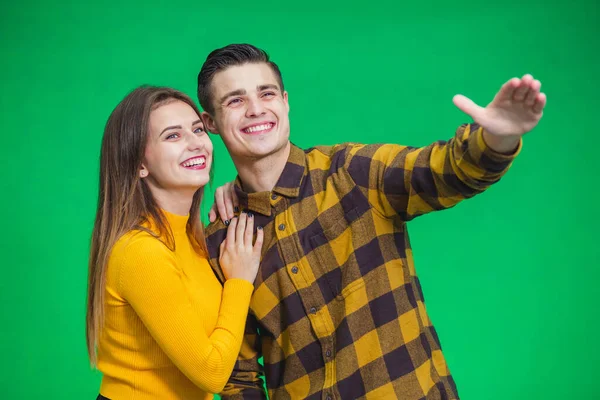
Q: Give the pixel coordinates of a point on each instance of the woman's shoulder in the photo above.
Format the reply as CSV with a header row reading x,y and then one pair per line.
x,y
138,242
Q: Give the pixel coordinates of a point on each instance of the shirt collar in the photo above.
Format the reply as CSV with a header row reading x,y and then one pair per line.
x,y
288,184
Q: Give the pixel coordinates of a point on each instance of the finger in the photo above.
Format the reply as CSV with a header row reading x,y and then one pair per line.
x,y
259,240
534,90
212,214
231,231
523,88
540,103
228,202
236,201
222,246
249,234
240,229
508,89
467,106
221,204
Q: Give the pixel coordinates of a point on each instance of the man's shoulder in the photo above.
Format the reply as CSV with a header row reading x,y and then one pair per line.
x,y
216,231
320,156
214,228
347,156
331,149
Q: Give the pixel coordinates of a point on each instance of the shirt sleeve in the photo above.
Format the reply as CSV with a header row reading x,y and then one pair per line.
x,y
411,181
152,284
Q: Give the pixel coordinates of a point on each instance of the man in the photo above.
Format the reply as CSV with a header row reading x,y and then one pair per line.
x,y
338,310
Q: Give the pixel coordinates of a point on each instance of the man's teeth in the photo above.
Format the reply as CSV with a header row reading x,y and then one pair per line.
x,y
258,128
194,162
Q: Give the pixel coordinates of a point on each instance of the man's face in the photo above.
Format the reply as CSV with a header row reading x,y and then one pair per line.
x,y
251,112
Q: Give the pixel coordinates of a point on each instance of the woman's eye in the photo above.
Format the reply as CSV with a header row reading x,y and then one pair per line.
x,y
198,130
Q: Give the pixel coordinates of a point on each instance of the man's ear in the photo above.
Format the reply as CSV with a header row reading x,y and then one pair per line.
x,y
285,100
209,123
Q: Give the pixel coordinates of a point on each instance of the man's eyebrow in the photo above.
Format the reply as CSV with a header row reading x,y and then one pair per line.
x,y
238,92
267,86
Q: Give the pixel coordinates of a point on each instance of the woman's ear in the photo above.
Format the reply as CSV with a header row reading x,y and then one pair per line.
x,y
143,171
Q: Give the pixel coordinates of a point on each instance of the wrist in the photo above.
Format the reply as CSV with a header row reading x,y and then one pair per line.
x,y
504,144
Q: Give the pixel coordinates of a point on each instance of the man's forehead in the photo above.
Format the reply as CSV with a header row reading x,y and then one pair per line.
x,y
247,76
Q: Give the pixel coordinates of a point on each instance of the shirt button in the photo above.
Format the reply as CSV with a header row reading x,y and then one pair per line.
x,y
281,227
294,269
313,310
328,353
273,196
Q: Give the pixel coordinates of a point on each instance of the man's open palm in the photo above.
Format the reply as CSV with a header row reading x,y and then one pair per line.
x,y
515,110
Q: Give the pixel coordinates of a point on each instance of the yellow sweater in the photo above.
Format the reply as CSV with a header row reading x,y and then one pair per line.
x,y
171,331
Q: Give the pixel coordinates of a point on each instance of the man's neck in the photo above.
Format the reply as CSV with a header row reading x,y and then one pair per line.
x,y
261,175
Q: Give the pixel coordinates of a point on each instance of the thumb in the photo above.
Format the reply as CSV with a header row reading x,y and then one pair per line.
x,y
467,106
212,215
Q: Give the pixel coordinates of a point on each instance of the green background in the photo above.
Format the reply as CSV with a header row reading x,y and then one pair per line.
x,y
510,277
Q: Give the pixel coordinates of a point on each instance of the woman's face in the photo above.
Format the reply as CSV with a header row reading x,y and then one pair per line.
x,y
178,153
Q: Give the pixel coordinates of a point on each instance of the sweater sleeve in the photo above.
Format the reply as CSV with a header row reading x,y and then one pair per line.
x,y
151,282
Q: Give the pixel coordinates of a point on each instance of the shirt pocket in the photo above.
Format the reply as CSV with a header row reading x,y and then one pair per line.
x,y
340,268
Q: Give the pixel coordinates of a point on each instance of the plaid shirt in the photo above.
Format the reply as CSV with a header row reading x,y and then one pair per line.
x,y
338,311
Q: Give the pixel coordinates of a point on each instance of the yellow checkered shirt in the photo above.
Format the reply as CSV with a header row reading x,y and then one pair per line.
x,y
338,311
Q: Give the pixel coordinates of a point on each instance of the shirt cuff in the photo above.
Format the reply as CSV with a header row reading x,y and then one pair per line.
x,y
493,154
484,156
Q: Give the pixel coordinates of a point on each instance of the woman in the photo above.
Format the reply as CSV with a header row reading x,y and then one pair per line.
x,y
163,325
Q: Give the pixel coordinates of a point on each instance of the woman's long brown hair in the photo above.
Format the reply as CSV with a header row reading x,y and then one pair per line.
x,y
124,199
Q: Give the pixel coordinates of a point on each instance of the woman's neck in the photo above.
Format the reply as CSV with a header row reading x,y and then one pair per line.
x,y
178,203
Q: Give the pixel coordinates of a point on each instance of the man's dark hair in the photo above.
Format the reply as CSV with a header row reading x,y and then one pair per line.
x,y
225,57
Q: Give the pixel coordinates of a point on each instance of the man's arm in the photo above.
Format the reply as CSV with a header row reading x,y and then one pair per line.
x,y
246,381
409,182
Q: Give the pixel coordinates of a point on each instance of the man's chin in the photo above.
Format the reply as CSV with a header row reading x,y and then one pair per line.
x,y
264,152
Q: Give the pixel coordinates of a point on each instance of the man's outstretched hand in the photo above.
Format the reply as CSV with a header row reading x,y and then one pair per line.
x,y
515,110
